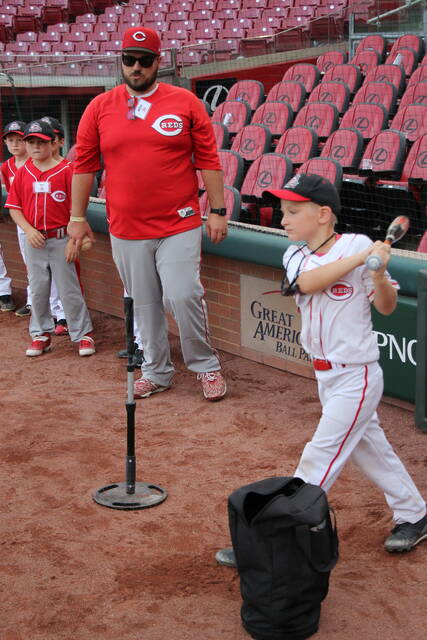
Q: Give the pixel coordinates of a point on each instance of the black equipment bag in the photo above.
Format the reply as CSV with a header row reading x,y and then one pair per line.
x,y
285,546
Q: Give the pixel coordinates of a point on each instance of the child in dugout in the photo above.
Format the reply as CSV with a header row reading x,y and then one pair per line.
x,y
39,202
337,333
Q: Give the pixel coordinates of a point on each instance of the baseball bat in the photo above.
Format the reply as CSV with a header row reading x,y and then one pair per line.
x,y
395,232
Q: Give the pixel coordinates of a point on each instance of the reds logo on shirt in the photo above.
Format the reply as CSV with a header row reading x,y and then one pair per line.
x,y
59,196
168,125
340,291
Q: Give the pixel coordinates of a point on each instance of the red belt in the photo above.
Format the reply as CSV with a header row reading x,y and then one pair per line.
x,y
323,365
58,233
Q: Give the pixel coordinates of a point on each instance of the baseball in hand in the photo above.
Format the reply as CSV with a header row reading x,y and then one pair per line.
x,y
86,244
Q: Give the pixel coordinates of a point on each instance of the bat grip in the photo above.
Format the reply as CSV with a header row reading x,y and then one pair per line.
x,y
374,261
128,309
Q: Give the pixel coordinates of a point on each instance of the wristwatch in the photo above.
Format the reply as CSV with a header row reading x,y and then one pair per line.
x,y
220,212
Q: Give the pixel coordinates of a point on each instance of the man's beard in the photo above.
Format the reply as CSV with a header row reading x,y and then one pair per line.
x,y
137,84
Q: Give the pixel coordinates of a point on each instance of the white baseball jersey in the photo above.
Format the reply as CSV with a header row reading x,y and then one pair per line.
x,y
336,322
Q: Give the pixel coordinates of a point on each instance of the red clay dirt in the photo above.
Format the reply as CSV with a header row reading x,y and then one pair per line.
x,y
73,570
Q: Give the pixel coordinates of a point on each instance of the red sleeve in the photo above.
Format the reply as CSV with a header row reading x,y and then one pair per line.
x,y
14,200
87,148
204,143
5,176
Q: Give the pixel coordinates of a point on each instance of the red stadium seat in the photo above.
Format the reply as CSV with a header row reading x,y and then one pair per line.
x,y
366,60
325,167
330,59
384,155
411,40
414,94
277,116
348,73
369,119
346,147
405,57
331,27
307,74
419,75
292,40
377,93
257,46
411,120
234,114
298,144
232,203
222,136
251,91
376,42
388,73
232,167
290,92
336,93
321,116
422,247
252,141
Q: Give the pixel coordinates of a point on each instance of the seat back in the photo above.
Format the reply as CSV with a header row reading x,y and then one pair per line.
x,y
232,167
384,155
252,141
232,203
325,167
383,93
269,171
376,42
419,75
411,120
369,119
277,116
320,116
334,92
414,94
346,147
251,91
307,74
388,73
366,60
234,114
348,73
405,57
330,59
289,91
298,144
221,134
411,40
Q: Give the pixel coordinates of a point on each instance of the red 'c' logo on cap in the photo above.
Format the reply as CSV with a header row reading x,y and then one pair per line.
x,y
340,291
139,36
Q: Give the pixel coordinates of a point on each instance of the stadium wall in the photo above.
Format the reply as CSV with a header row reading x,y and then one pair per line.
x,y
244,259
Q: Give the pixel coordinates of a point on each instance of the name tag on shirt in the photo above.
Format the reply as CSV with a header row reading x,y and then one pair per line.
x,y
41,187
142,109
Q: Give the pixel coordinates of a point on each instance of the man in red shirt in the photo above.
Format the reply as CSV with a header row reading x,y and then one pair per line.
x,y
39,202
153,136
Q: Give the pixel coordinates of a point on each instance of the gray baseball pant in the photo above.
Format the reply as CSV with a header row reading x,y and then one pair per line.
x,y
164,275
43,264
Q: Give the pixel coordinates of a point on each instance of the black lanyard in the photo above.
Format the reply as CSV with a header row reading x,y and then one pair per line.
x,y
292,286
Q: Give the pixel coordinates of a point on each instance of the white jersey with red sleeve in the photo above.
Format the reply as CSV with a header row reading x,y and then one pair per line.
x,y
44,197
151,149
336,322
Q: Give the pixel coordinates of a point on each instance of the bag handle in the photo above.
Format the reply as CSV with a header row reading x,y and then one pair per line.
x,y
302,535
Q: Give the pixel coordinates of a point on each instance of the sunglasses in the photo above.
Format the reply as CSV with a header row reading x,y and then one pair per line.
x,y
145,61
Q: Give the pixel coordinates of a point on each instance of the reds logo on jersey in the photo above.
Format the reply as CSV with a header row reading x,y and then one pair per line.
x,y
168,125
59,196
339,291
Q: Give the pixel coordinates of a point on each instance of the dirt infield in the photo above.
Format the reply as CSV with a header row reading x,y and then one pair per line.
x,y
73,570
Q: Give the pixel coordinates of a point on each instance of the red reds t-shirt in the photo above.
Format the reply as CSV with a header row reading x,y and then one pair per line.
x,y
150,161
44,197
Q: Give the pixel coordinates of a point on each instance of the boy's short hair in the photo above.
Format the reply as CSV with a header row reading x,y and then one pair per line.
x,y
16,126
55,124
39,129
308,187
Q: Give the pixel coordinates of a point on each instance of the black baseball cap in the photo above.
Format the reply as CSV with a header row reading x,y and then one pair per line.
x,y
16,126
55,124
39,129
308,187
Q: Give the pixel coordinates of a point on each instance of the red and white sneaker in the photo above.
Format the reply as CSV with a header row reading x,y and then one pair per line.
x,y
143,388
87,346
213,385
61,328
39,345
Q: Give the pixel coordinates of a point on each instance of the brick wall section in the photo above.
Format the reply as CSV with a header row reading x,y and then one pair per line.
x,y
220,278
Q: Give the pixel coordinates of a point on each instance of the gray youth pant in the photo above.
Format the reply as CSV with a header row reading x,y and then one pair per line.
x,y
164,275
43,264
